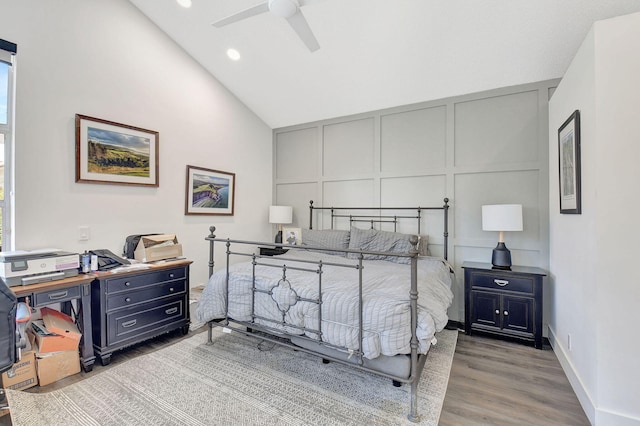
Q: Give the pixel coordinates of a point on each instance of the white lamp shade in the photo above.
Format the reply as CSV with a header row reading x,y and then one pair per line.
x,y
502,217
280,214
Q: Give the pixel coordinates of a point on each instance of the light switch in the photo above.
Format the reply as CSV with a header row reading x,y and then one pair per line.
x,y
84,233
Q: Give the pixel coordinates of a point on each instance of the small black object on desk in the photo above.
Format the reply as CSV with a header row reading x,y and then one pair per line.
x,y
272,251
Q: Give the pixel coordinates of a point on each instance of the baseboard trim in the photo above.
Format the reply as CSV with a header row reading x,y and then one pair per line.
x,y
604,417
569,370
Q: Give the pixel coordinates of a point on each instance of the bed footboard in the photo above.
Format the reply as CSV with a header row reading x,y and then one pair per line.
x,y
274,301
278,329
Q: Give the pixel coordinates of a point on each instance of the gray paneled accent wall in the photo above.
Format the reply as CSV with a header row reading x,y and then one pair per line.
x,y
482,148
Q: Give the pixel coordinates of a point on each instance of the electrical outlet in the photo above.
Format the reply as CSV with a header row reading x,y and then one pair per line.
x,y
569,345
84,233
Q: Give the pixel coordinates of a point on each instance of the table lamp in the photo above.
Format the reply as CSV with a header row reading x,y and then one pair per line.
x,y
280,215
501,218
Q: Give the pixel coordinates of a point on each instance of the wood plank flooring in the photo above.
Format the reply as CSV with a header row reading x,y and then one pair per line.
x,y
492,382
495,382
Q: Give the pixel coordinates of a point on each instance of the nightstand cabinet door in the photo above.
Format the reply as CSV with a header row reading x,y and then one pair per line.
x,y
486,309
504,302
517,314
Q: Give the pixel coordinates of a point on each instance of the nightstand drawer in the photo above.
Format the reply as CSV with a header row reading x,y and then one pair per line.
x,y
502,283
146,294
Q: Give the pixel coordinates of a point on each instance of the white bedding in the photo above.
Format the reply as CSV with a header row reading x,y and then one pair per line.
x,y
386,319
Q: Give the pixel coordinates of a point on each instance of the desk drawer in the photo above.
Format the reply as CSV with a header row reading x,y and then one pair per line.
x,y
145,294
55,296
115,285
502,282
129,323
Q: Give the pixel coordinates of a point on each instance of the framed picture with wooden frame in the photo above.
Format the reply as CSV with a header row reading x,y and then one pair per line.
x,y
210,192
569,165
292,236
114,153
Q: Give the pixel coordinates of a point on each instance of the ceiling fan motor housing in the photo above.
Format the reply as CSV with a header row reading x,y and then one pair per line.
x,y
283,8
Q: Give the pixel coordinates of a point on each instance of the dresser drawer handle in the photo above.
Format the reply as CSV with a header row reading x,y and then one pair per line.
x,y
171,275
60,295
170,288
129,324
171,311
128,299
127,284
501,283
506,313
497,311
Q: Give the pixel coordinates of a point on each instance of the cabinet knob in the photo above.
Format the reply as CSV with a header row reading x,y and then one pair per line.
x,y
127,284
497,311
170,288
128,299
506,313
170,275
501,283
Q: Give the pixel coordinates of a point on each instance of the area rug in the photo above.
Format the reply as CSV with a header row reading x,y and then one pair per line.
x,y
238,380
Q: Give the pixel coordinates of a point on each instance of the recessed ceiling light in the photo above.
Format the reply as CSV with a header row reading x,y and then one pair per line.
x,y
233,54
184,3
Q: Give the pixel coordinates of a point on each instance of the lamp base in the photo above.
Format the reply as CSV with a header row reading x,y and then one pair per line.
x,y
501,257
279,237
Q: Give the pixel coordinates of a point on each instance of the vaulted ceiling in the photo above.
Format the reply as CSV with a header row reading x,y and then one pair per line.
x,y
376,54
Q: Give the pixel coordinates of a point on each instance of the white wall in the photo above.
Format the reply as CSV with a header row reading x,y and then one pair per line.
x,y
103,58
596,292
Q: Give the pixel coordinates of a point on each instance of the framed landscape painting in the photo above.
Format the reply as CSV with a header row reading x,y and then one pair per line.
x,y
569,165
209,192
114,153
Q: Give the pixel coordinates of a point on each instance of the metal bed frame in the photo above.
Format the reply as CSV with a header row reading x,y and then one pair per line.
x,y
283,292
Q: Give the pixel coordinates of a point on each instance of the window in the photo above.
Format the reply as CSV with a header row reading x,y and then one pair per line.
x,y
7,78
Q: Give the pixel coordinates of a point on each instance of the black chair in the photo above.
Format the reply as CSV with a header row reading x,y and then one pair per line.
x,y
8,307
8,351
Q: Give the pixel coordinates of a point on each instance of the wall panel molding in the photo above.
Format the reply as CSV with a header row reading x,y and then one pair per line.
x,y
481,148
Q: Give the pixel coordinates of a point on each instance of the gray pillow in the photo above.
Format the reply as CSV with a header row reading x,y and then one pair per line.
x,y
326,238
374,240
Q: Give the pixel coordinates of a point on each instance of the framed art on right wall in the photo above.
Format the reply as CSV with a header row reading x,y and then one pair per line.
x,y
569,165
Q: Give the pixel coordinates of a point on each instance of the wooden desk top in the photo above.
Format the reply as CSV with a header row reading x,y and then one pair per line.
x,y
24,290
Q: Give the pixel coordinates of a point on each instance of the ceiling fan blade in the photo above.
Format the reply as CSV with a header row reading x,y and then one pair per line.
x,y
308,2
301,27
247,13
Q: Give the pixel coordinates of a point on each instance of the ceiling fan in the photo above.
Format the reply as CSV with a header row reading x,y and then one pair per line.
x,y
287,9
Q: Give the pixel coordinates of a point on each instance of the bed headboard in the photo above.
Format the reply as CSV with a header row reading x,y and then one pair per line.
x,y
383,216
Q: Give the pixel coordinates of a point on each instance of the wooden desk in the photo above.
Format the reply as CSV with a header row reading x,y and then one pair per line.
x,y
63,292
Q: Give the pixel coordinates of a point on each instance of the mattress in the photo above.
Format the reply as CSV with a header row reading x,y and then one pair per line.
x,y
386,314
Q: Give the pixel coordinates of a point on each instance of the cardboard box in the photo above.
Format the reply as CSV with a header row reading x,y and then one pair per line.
x,y
23,373
151,248
53,366
55,332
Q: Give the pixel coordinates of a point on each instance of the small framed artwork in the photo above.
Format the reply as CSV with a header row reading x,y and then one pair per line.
x,y
292,236
569,165
115,153
209,192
